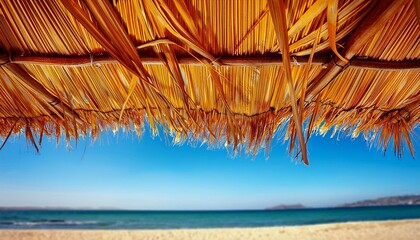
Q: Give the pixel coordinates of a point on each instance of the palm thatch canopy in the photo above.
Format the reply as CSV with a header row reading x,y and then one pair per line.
x,y
225,72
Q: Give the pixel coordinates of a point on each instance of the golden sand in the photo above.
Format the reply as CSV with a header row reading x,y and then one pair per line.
x,y
404,229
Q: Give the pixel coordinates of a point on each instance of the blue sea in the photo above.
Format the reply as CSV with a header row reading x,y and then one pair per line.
x,y
85,219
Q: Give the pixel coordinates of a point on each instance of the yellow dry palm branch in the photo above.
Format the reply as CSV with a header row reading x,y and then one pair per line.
x,y
92,65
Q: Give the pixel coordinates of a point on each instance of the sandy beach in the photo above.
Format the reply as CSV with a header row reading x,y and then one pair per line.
x,y
404,229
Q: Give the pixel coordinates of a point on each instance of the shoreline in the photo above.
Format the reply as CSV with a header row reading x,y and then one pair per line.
x,y
393,229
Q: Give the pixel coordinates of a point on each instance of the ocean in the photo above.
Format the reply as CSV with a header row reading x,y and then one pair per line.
x,y
95,219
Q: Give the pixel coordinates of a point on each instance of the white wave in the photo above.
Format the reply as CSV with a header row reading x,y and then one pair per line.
x,y
61,223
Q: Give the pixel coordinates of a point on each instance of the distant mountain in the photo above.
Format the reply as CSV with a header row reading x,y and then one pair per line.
x,y
282,207
386,201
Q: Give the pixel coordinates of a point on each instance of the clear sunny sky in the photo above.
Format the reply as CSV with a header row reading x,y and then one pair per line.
x,y
124,172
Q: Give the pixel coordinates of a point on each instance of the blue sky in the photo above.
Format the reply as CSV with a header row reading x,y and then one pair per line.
x,y
124,172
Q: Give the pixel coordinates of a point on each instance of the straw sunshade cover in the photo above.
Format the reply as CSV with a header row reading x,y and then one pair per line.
x,y
230,73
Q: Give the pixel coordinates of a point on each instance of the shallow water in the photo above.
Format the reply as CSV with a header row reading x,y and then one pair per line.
x,y
85,219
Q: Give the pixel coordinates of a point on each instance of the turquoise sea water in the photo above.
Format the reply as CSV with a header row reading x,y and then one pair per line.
x,y
54,219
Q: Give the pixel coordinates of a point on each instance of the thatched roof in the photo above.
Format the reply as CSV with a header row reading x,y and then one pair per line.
x,y
225,72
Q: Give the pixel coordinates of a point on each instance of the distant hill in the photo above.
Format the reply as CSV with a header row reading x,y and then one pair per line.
x,y
282,206
386,201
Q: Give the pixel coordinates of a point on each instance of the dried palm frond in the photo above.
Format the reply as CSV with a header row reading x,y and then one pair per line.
x,y
220,72
278,14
